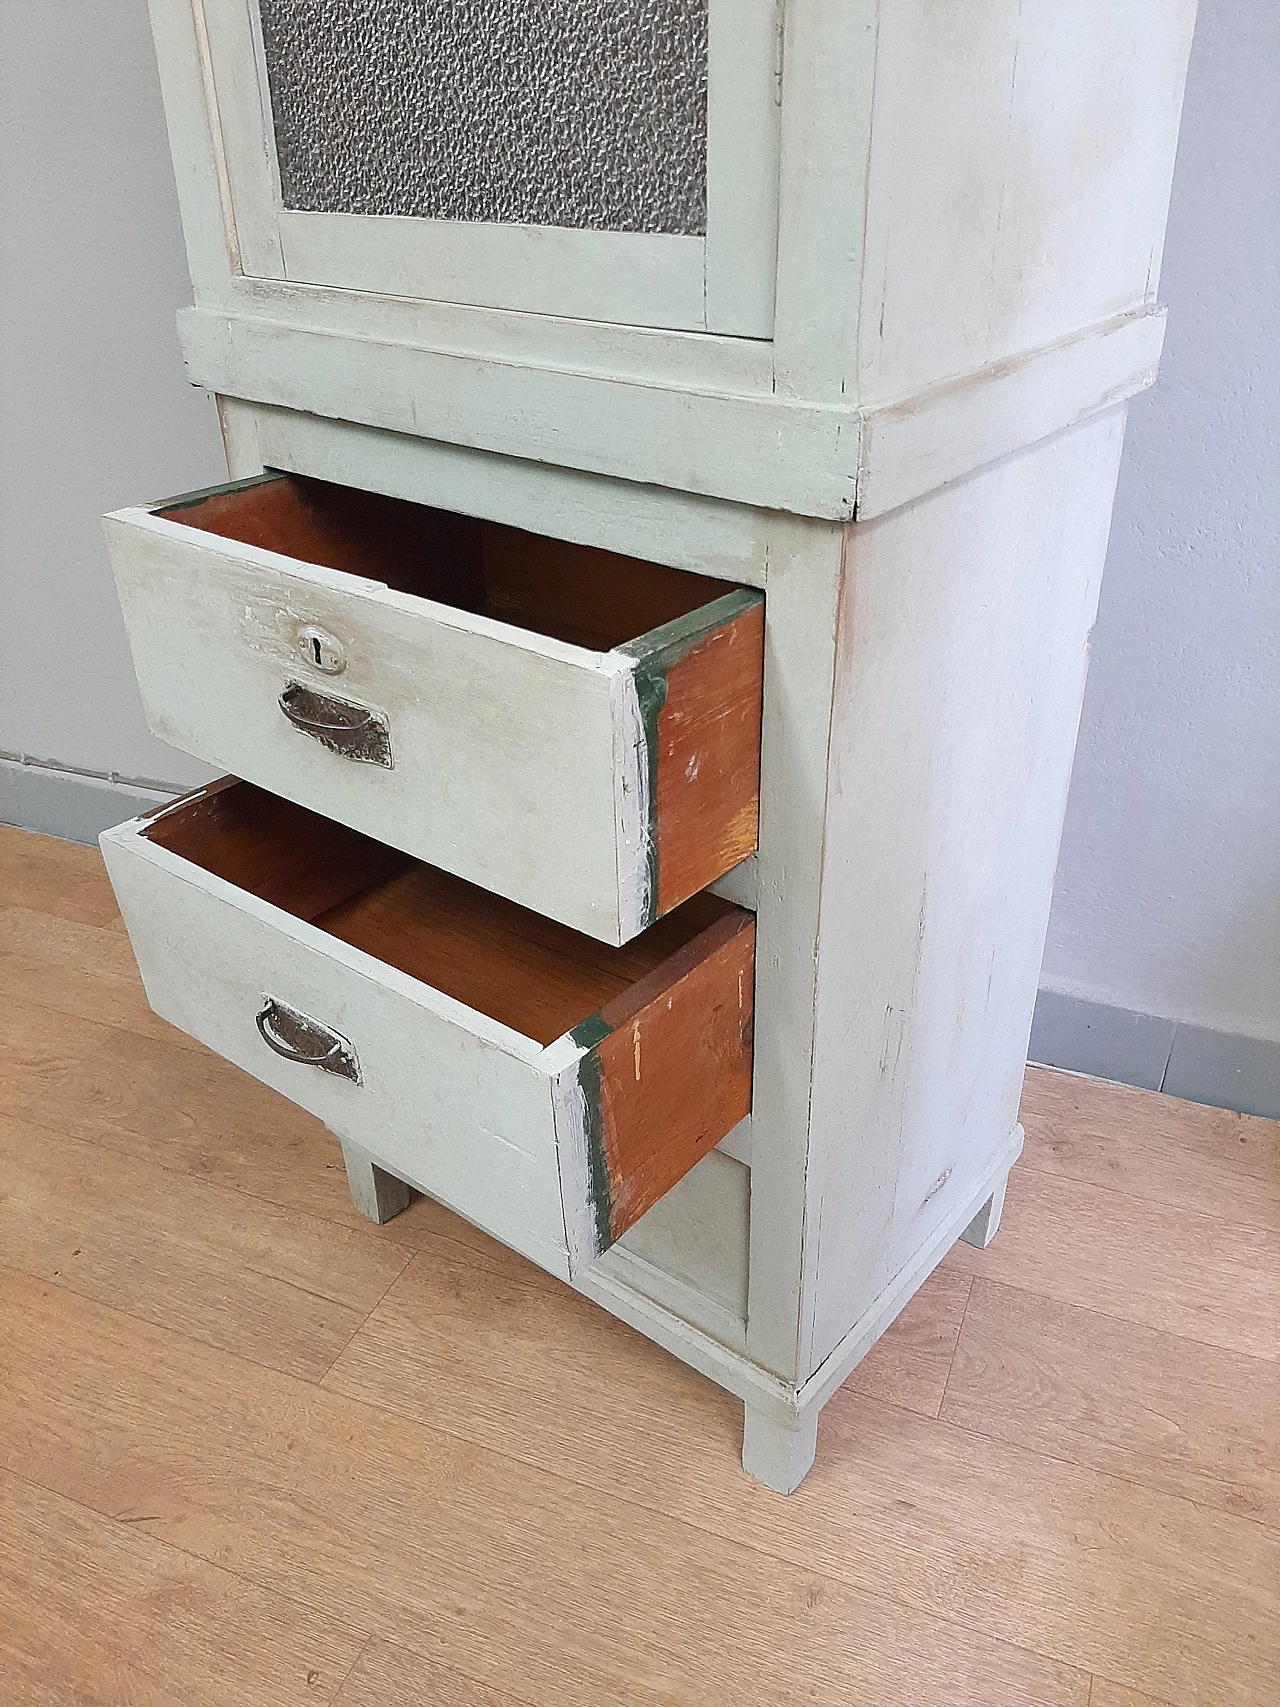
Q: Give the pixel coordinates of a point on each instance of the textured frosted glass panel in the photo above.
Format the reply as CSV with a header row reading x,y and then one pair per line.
x,y
583,113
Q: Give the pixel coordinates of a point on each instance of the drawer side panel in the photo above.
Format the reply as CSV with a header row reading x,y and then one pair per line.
x,y
666,1074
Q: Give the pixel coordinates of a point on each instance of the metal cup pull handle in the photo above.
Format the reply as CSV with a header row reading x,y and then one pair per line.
x,y
306,1041
354,731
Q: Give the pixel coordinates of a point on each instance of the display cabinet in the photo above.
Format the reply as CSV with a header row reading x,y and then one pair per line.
x,y
673,446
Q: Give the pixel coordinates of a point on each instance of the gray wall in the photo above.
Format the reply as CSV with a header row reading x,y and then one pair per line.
x,y
1168,892
1169,884
95,412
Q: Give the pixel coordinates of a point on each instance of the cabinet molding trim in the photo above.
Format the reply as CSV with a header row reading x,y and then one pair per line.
x,y
745,1379
828,461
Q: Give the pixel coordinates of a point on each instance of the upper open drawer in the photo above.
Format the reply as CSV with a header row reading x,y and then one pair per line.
x,y
575,730
549,1088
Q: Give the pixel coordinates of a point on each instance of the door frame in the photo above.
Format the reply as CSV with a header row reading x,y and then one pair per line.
x,y
721,282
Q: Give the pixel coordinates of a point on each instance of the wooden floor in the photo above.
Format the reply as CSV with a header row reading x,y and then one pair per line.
x,y
254,1450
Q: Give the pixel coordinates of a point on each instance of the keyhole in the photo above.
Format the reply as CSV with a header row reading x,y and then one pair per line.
x,y
322,650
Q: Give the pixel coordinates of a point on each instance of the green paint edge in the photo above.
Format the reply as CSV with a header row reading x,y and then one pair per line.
x,y
654,654
591,1083
651,694
188,500
678,637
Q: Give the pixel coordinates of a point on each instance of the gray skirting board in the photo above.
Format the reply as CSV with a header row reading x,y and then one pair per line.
x,y
1215,1067
1188,1061
73,805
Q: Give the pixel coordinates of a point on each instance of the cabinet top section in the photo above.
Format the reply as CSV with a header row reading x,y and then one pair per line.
x,y
815,255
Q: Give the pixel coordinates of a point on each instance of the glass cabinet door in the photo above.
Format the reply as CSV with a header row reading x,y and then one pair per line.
x,y
597,159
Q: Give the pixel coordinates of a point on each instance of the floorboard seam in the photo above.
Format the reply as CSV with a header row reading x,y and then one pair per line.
x,y
951,1361
163,1541
364,1649
180,1334
1143,1486
1027,1165
686,1520
107,1131
1132,1321
366,1318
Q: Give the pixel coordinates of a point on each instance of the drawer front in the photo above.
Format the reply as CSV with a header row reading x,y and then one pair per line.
x,y
554,1149
598,788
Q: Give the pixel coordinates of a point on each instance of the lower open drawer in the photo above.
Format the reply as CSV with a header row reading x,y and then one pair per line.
x,y
545,1085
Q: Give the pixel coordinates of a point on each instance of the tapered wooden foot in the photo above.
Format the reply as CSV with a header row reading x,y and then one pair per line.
x,y
375,1192
777,1453
986,1223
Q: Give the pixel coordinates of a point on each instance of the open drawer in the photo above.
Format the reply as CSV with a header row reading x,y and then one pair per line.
x,y
576,731
547,1087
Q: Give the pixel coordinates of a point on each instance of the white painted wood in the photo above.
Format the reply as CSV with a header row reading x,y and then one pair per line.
x,y
952,196
696,362
195,141
907,1279
986,1223
963,630
741,885
238,423
573,1143
767,451
634,278
689,1253
828,76
449,1100
746,1379
239,127
806,568
680,528
666,1325
778,1453
518,762
1018,180
743,115
917,458
738,1143
632,803
374,1191
941,435
722,281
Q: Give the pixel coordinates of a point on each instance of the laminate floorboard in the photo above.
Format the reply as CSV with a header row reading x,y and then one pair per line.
x,y
255,1450
1146,1405
85,972
274,1285
94,1611
62,879
389,1676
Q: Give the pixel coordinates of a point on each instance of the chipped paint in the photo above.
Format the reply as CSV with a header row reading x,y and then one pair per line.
x,y
591,1085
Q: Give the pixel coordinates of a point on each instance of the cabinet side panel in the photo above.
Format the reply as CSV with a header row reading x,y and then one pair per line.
x,y
672,1075
963,648
1021,166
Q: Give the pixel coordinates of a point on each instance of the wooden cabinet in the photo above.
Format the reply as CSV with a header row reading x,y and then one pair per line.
x,y
676,457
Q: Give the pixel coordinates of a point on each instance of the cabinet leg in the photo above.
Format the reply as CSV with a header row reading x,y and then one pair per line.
x,y
986,1223
778,1453
375,1193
